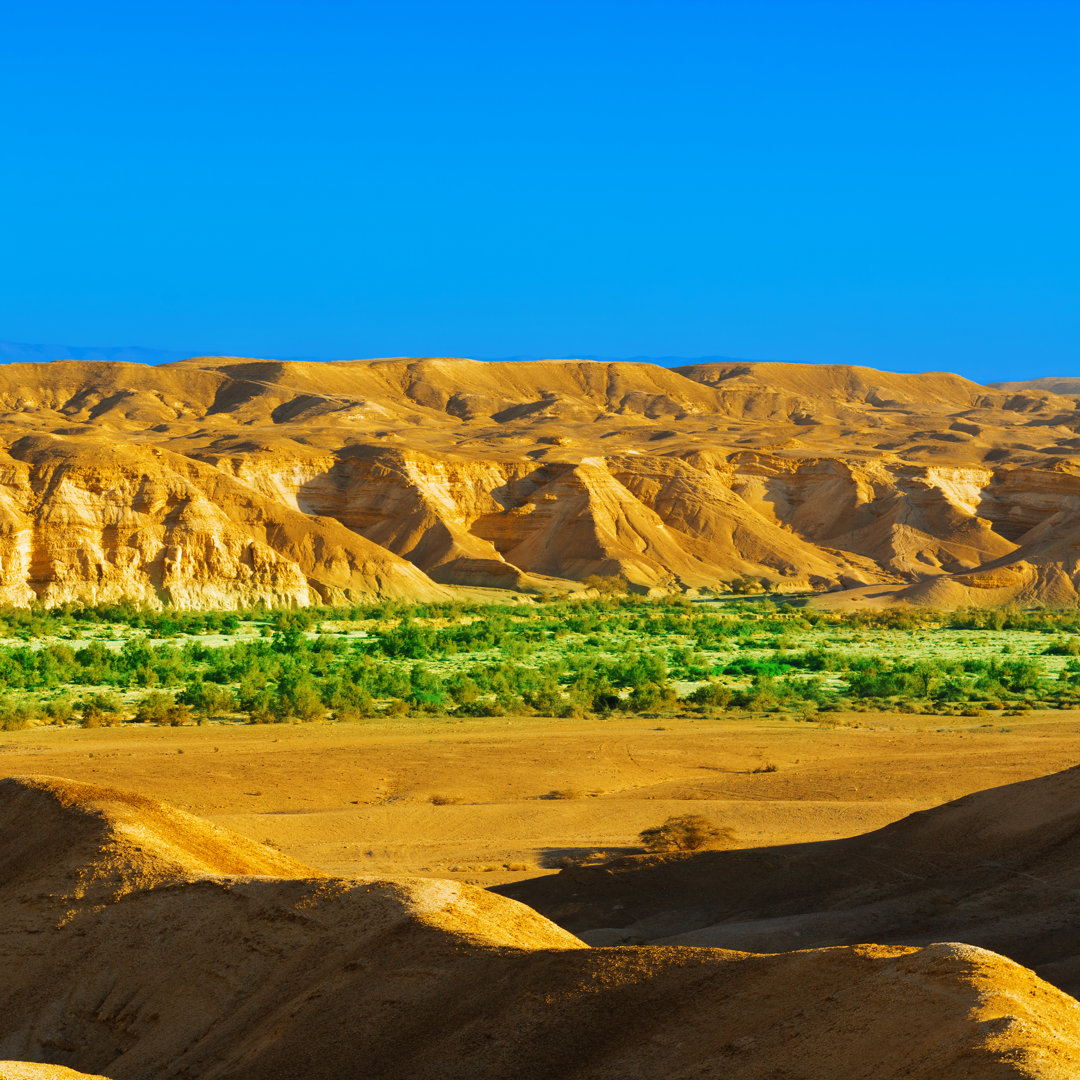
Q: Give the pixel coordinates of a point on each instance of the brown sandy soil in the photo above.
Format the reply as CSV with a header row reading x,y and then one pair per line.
x,y
355,799
144,946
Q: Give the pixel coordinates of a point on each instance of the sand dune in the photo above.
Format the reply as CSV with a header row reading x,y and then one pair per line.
x,y
29,1070
223,481
142,942
999,869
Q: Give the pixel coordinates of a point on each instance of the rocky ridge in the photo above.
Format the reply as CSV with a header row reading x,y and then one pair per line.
x,y
227,482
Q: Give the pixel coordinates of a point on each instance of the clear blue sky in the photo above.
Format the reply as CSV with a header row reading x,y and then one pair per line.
x,y
887,182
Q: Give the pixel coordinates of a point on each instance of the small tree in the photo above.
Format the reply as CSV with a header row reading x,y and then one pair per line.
x,y
159,708
606,584
686,832
101,709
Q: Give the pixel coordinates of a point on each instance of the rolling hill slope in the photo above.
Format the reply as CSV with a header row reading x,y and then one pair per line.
x,y
999,869
226,481
141,942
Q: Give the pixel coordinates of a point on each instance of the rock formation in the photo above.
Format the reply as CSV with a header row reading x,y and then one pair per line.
x,y
225,482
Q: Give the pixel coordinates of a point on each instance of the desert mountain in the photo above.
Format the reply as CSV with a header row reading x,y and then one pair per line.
x,y
999,869
1056,384
225,481
141,942
16,352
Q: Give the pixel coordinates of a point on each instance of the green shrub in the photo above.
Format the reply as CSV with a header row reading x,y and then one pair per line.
x,y
16,715
160,708
59,710
713,693
101,710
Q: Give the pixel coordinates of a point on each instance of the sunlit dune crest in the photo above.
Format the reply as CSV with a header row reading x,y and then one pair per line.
x,y
148,943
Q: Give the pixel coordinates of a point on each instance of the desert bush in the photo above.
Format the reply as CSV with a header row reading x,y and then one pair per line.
x,y
59,710
160,708
610,585
15,715
649,696
207,699
763,693
297,698
712,693
1070,647
408,640
101,710
743,586
685,832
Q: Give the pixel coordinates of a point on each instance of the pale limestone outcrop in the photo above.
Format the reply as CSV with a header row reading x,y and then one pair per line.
x,y
89,523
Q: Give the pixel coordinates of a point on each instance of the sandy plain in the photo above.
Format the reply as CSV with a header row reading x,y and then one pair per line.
x,y
150,943
513,797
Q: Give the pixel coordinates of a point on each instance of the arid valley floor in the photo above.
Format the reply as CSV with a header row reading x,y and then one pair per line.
x,y
146,946
525,792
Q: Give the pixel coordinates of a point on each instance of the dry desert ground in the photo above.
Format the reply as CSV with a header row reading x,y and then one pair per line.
x,y
290,913
517,795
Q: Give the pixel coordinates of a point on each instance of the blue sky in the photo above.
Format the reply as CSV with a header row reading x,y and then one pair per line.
x,y
876,182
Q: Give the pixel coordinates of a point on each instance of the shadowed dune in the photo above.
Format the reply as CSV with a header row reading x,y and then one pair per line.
x,y
999,869
223,481
141,942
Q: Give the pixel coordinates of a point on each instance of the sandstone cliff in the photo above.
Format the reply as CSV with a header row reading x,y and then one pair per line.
x,y
226,482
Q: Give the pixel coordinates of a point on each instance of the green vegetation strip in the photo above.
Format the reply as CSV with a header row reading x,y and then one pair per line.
x,y
109,665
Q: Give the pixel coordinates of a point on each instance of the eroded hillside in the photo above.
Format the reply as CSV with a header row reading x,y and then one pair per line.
x,y
144,942
225,482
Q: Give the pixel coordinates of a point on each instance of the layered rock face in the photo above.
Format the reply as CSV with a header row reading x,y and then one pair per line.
x,y
228,482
